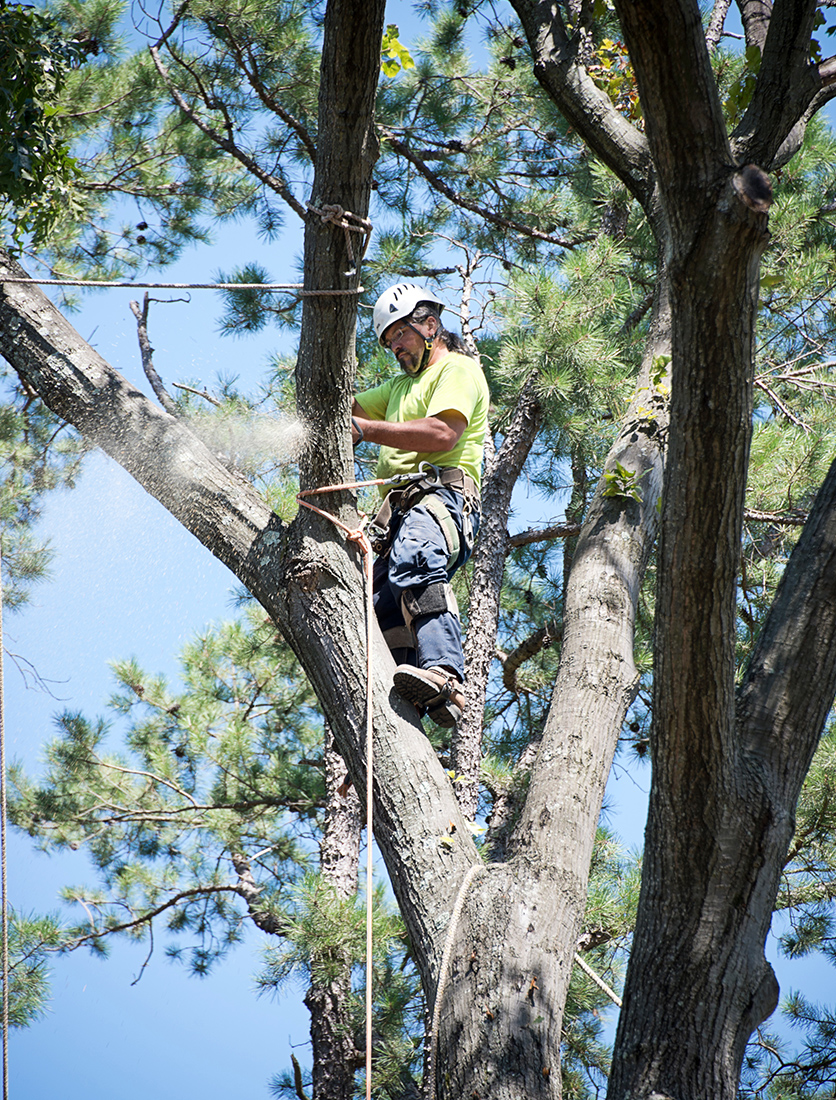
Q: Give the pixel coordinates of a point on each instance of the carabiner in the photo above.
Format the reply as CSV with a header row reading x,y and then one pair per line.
x,y
433,478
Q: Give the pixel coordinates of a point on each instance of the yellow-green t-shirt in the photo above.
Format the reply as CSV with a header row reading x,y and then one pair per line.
x,y
454,382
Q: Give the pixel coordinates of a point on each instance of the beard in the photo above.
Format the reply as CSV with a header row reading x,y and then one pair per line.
x,y
409,363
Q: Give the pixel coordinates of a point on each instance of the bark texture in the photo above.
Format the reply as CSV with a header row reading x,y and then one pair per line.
x,y
502,468
335,1052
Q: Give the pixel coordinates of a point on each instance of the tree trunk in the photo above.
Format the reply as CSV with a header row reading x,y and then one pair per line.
x,y
504,992
332,1032
501,473
720,816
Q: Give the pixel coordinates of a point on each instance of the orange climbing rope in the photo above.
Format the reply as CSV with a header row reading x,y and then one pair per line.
x,y
359,536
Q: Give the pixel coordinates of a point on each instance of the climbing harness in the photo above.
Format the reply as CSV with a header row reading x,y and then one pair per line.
x,y
419,487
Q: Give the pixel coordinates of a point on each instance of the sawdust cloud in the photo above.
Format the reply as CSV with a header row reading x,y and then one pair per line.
x,y
247,438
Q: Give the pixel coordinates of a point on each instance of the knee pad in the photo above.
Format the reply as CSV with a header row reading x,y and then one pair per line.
x,y
432,599
399,637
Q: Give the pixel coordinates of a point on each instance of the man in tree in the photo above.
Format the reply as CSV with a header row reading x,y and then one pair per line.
x,y
432,418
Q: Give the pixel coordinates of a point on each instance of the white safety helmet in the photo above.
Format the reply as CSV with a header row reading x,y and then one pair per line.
x,y
398,302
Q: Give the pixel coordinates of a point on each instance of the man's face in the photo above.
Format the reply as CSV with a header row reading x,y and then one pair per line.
x,y
405,339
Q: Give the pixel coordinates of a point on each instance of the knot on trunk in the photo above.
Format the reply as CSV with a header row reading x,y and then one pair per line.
x,y
753,187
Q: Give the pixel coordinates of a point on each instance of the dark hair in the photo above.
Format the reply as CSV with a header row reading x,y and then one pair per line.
x,y
451,341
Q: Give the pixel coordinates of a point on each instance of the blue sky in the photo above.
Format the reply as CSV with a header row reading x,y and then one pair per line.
x,y
129,581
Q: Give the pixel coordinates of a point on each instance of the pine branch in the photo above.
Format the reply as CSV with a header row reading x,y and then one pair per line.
x,y
715,23
272,104
533,534
780,519
438,184
146,352
146,918
226,143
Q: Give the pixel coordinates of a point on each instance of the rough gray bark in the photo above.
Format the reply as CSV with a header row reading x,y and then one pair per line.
x,y
713,849
502,469
335,1055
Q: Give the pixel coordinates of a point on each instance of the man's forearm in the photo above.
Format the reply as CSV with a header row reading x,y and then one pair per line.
x,y
430,434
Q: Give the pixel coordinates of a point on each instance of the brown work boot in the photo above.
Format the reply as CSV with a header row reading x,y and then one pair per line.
x,y
434,691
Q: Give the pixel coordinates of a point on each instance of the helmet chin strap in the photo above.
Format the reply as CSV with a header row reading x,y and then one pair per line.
x,y
425,358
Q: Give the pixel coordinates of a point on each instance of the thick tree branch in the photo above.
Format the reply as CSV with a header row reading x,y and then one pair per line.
x,y
676,83
589,110
250,891
755,16
714,29
546,636
787,82
790,683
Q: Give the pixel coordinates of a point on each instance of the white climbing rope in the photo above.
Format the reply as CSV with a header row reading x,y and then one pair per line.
x,y
3,879
590,973
443,974
297,288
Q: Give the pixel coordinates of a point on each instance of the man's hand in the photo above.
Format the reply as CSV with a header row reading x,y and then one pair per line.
x,y
430,434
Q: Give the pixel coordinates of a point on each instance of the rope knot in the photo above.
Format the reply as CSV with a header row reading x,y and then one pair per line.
x,y
349,223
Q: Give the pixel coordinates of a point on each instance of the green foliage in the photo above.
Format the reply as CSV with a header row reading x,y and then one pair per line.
x,y
219,770
38,176
31,939
622,482
742,90
395,56
38,454
325,939
611,70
